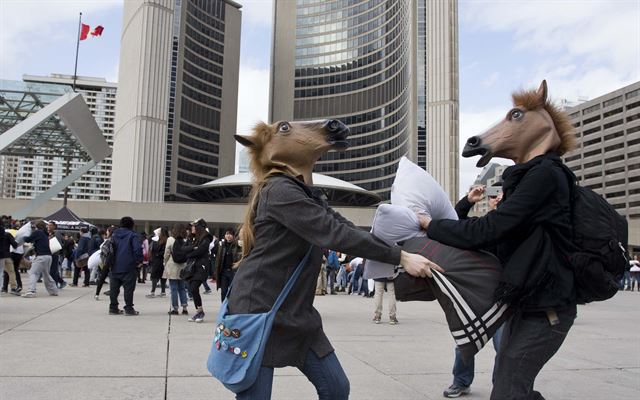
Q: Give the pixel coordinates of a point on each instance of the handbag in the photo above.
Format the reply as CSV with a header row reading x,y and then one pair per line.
x,y
189,270
82,261
240,340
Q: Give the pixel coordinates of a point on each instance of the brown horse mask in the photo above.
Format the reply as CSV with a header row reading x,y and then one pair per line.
x,y
531,128
292,147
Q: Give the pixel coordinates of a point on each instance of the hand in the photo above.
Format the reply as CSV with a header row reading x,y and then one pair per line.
x,y
476,194
418,266
424,220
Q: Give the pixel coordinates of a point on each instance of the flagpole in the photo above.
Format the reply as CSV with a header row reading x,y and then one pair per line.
x,y
75,70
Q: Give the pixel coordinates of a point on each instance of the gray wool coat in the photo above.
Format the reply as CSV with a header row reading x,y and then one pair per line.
x,y
291,216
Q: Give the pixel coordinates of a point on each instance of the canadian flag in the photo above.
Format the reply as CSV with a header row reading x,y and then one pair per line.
x,y
86,32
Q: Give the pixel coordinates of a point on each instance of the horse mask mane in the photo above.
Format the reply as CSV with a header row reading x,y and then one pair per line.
x,y
534,126
291,148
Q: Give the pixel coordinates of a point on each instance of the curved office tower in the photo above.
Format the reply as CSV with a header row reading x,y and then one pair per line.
x,y
355,60
203,94
352,61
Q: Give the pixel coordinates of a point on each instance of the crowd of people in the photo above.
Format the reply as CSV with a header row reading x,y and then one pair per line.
x,y
179,260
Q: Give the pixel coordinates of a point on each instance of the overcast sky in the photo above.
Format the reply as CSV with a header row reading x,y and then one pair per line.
x,y
583,48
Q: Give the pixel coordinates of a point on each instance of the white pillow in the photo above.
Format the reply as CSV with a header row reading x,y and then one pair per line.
x,y
392,224
23,233
94,260
416,189
54,245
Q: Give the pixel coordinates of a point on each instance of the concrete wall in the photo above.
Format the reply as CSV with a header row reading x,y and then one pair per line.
x,y
142,101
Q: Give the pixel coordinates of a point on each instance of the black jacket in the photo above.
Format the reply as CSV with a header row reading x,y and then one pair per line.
x,y
201,255
226,252
531,229
291,216
6,241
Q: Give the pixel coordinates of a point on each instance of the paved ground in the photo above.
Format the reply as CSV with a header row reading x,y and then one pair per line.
x,y
68,347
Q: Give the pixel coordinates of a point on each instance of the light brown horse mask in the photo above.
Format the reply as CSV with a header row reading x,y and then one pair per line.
x,y
527,131
293,147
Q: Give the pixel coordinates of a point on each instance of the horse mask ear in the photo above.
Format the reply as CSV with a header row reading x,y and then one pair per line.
x,y
542,91
247,141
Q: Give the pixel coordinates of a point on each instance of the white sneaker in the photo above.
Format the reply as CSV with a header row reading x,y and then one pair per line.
x,y
29,295
96,297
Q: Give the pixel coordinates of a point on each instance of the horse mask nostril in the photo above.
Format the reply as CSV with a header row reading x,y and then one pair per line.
x,y
333,125
473,141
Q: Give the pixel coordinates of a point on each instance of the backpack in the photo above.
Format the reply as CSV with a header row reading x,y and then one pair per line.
x,y
108,254
178,254
600,235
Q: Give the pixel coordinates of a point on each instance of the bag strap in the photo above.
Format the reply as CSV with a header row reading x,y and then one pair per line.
x,y
292,280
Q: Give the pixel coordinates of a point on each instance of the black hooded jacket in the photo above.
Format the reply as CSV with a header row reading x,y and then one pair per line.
x,y
531,229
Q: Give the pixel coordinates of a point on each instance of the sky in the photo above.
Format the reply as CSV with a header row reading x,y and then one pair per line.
x,y
584,49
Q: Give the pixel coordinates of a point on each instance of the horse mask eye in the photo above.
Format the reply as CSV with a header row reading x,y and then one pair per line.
x,y
516,114
284,127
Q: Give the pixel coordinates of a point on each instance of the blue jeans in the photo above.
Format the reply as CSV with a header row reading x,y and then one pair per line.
x,y
325,373
463,373
178,289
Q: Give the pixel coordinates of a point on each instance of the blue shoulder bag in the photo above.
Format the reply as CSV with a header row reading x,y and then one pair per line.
x,y
240,340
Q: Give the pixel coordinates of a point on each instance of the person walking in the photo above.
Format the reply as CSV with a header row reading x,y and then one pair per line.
x,y
199,256
464,372
82,258
380,285
41,264
103,269
172,268
125,269
7,271
55,259
156,262
228,255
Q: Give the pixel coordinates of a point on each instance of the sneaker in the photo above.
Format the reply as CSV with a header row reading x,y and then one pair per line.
x,y
53,294
376,319
200,317
163,294
29,295
3,291
131,312
150,295
62,285
185,312
96,297
73,285
116,312
16,292
456,391
106,292
85,285
173,312
393,321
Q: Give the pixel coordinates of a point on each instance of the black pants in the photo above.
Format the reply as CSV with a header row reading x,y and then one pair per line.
x,y
128,282
76,275
226,277
528,342
142,278
54,270
102,276
154,284
194,289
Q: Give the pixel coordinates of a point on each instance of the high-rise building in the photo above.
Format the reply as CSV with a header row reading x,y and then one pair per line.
x,y
179,63
25,177
608,157
370,64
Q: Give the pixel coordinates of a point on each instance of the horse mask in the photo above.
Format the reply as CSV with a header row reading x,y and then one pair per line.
x,y
531,128
293,147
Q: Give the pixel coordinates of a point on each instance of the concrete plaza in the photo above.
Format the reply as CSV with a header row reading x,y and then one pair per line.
x,y
68,347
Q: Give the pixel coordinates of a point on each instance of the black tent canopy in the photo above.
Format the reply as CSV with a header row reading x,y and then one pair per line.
x,y
67,220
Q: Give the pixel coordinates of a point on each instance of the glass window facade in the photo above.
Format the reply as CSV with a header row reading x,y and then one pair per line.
x,y
194,133
353,62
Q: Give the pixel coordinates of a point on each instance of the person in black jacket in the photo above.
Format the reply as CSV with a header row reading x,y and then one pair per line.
x,y
41,264
199,256
531,227
7,270
156,262
227,256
